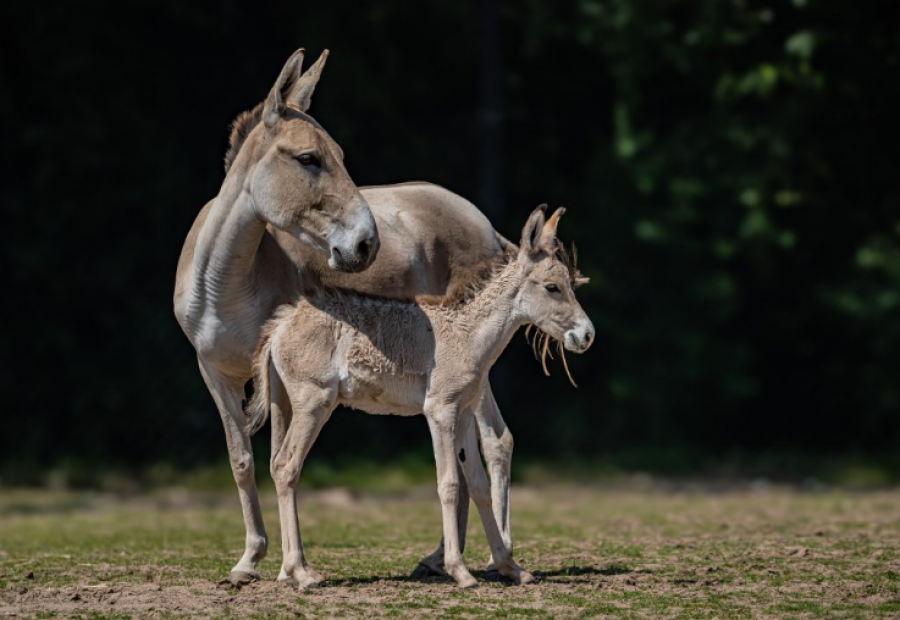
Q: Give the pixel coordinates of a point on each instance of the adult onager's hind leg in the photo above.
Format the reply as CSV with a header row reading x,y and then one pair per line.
x,y
311,407
228,392
480,489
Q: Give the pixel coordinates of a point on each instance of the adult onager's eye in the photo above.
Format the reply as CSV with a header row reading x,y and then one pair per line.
x,y
309,160
551,288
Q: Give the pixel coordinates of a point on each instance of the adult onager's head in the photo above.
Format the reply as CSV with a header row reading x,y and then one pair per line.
x,y
298,181
547,297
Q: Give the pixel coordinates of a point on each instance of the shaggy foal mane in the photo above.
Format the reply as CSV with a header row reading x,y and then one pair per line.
x,y
467,282
470,281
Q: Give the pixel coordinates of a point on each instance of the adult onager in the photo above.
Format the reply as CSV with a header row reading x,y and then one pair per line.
x,y
288,217
428,356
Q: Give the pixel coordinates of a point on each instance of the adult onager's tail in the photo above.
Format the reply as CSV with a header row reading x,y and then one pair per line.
x,y
258,408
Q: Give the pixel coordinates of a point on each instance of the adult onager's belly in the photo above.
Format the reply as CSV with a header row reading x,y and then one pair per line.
x,y
382,393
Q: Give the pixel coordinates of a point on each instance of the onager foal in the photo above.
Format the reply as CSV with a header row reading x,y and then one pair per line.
x,y
429,356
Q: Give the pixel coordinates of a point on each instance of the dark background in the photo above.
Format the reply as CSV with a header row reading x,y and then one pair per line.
x,y
730,169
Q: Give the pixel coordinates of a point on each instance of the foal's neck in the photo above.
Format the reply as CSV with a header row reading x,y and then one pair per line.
x,y
490,319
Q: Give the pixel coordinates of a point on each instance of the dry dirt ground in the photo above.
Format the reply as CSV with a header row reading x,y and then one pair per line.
x,y
599,553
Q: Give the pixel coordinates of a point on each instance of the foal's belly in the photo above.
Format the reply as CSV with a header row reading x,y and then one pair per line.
x,y
383,394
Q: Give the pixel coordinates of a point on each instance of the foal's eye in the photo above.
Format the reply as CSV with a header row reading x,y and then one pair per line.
x,y
551,288
309,160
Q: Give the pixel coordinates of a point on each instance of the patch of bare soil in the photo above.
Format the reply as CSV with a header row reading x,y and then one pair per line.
x,y
596,554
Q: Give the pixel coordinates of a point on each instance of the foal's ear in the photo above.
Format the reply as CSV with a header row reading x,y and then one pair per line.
x,y
531,234
276,101
548,232
301,93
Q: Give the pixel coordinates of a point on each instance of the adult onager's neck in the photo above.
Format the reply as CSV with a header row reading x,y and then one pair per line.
x,y
226,250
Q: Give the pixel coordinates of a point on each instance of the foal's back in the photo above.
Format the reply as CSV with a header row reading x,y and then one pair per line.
x,y
376,352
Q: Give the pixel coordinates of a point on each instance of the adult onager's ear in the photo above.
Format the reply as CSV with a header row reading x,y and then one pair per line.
x,y
548,232
301,93
276,101
531,234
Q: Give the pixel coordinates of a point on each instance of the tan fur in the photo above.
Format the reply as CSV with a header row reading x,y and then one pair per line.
x,y
263,242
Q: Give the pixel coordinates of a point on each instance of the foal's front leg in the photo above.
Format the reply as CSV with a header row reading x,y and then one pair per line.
x,y
311,406
433,565
443,421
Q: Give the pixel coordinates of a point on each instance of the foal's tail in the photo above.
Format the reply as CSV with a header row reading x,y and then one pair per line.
x,y
257,409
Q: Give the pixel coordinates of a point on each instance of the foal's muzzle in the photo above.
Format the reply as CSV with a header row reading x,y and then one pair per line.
x,y
580,339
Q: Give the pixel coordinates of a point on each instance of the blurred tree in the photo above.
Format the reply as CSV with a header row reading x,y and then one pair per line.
x,y
730,169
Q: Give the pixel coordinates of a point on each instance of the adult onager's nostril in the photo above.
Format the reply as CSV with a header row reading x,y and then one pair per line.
x,y
589,338
363,249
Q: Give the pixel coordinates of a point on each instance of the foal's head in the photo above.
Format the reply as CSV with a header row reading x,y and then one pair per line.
x,y
298,181
547,297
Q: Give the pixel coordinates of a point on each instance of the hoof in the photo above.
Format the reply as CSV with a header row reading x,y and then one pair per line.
x,y
492,575
310,583
526,578
471,582
238,579
305,580
423,571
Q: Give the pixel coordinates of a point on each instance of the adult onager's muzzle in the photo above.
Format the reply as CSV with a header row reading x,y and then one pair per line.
x,y
356,249
580,338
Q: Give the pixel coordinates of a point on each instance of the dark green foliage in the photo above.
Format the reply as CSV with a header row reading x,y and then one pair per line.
x,y
730,168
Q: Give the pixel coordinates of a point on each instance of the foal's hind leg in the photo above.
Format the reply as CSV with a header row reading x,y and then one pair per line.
x,y
228,393
497,448
480,489
312,406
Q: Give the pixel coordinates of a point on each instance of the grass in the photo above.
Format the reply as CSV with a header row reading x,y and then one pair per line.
x,y
600,552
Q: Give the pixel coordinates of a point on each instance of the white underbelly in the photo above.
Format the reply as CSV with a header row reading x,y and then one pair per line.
x,y
382,394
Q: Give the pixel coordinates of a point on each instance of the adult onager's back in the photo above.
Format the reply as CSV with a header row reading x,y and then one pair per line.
x,y
430,356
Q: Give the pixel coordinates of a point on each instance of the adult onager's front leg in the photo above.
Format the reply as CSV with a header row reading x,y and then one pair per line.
x,y
311,406
228,392
443,421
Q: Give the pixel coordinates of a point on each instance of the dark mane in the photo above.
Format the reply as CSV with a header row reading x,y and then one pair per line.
x,y
241,127
245,122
